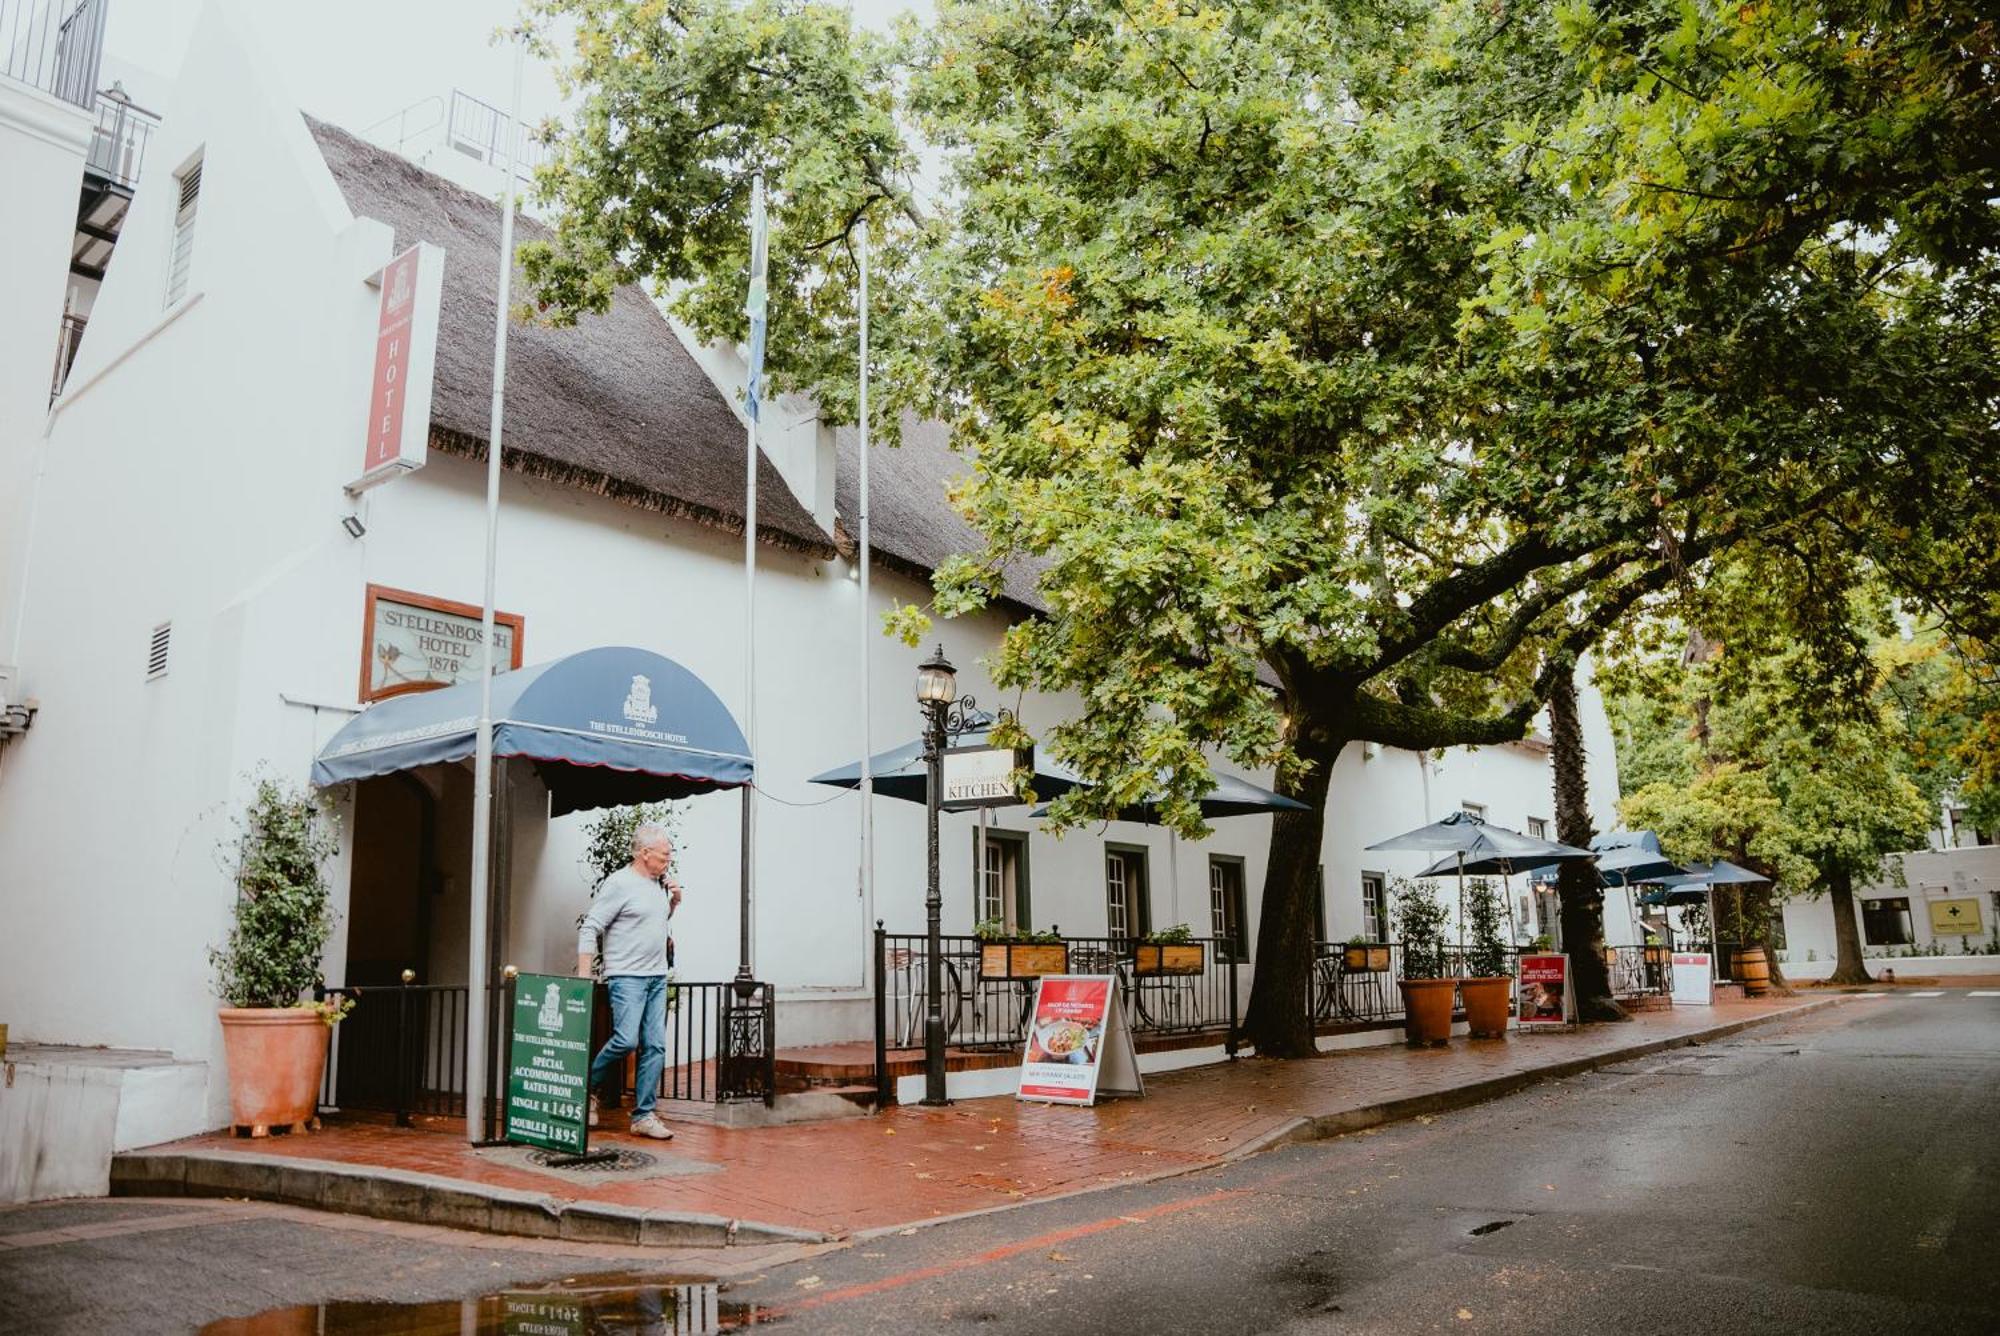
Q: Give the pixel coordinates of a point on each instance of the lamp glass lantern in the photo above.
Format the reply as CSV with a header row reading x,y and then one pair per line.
x,y
937,681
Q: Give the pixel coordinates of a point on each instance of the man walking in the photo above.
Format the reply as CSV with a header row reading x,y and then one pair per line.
x,y
630,916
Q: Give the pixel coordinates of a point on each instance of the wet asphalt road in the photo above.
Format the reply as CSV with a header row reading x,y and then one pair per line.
x,y
1835,1175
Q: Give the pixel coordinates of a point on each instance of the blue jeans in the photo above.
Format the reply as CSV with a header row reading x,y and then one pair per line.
x,y
638,1020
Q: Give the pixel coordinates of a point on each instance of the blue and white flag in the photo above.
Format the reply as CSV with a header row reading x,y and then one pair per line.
x,y
754,306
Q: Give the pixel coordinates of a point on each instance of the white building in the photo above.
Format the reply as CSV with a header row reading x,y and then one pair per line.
x,y
190,589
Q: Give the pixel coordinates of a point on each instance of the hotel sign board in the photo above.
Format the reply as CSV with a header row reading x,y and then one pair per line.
x,y
982,777
399,390
548,1062
412,642
1079,1044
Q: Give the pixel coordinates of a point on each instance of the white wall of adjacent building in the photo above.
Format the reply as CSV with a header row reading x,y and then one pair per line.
x,y
194,477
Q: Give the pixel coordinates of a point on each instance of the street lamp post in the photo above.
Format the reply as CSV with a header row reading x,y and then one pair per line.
x,y
937,690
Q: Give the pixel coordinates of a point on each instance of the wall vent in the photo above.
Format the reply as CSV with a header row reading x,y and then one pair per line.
x,y
156,655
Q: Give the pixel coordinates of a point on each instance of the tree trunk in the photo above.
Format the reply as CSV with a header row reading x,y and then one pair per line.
x,y
1277,1022
1576,881
1847,966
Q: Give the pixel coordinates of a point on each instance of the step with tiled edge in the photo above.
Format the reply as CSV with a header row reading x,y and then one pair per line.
x,y
428,1199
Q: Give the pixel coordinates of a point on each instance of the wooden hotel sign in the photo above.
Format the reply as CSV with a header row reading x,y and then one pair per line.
x,y
412,642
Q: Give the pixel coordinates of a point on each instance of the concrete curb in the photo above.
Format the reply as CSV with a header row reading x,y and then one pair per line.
x,y
1320,1127
430,1199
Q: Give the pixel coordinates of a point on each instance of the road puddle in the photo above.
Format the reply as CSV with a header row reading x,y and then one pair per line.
x,y
598,1306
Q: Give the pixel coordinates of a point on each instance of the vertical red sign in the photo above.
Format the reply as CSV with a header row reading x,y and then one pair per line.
x,y
393,340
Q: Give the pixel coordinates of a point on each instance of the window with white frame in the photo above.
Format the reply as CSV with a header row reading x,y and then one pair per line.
x,y
1374,906
1125,909
1000,880
1225,903
1538,828
1477,811
180,258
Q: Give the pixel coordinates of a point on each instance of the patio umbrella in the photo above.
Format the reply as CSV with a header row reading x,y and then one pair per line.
x,y
1697,886
1227,796
1470,840
900,773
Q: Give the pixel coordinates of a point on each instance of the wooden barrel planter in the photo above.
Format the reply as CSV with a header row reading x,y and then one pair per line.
x,y
1753,971
1150,958
1022,960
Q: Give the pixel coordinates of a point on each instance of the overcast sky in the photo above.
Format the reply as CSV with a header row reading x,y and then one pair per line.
x,y
358,63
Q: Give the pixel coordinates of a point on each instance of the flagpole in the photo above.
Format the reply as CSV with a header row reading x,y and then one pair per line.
x,y
482,765
754,307
867,728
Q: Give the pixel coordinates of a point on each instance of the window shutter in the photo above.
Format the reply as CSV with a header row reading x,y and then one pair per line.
x,y
182,257
156,654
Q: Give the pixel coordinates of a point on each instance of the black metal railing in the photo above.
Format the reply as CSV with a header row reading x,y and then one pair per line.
x,y
402,1047
1640,971
53,46
119,140
68,338
721,1045
982,1012
1355,983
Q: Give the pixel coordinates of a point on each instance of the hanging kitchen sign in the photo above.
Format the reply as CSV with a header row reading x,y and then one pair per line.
x,y
982,777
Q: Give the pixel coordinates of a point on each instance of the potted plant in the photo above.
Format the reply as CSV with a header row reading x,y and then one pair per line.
x,y
1168,951
1426,982
273,1039
1018,955
1486,985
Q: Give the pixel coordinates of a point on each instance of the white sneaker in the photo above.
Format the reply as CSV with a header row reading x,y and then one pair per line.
x,y
593,1111
651,1126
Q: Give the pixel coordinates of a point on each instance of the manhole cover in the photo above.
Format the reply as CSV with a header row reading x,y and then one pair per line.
x,y
627,1161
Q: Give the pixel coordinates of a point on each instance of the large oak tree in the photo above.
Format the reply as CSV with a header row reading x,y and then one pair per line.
x,y
1297,344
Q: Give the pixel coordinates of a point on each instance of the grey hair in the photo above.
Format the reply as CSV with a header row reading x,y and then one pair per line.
x,y
647,834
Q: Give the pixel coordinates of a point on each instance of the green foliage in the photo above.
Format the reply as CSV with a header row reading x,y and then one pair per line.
x,y
995,930
1391,351
1486,955
283,917
1419,917
607,838
1178,935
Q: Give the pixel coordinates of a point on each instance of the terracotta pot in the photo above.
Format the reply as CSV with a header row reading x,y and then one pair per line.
x,y
277,1056
1427,1009
1486,1006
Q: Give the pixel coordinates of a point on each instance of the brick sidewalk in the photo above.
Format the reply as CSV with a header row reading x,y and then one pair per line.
x,y
910,1165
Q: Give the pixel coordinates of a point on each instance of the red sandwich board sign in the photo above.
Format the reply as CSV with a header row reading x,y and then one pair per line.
x,y
1079,1042
399,390
1544,994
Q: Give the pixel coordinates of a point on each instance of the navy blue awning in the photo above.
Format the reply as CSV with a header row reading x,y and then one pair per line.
x,y
604,727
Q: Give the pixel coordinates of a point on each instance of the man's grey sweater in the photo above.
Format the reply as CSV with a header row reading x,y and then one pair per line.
x,y
631,914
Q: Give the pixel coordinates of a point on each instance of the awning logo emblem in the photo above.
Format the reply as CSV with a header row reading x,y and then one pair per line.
x,y
639,707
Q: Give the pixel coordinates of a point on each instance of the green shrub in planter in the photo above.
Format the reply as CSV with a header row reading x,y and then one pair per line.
x,y
283,914
1487,955
1419,918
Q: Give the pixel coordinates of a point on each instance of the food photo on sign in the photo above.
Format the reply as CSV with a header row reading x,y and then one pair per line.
x,y
1544,985
1069,1041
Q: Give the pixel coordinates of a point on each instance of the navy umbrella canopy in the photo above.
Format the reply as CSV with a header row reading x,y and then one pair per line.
x,y
901,774
1692,886
604,727
1464,833
1227,796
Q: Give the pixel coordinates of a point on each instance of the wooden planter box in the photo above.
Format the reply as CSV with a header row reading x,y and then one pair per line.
x,y
1371,959
1022,960
1167,958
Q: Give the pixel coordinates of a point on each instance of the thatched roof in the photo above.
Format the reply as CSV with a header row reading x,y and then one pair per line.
x,y
615,404
911,527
